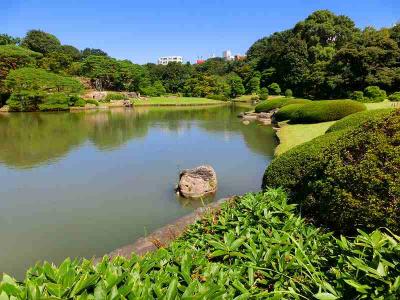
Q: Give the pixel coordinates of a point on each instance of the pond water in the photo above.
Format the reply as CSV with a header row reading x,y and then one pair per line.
x,y
82,184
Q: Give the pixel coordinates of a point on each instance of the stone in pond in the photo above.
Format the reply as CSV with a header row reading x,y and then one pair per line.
x,y
198,182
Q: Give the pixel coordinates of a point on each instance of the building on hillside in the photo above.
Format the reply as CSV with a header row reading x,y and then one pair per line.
x,y
227,55
165,60
240,57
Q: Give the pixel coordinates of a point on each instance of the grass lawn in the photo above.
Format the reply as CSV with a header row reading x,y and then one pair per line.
x,y
293,135
161,101
383,104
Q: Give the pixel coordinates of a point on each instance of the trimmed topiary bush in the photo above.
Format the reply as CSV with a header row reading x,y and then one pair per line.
x,y
115,96
264,93
395,96
218,97
288,93
374,94
345,179
271,104
92,101
357,119
357,96
274,88
328,110
286,112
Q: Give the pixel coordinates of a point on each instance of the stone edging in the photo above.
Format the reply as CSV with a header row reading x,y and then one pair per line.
x,y
163,236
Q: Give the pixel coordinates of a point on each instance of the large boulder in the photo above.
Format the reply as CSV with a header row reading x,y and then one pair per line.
x,y
197,182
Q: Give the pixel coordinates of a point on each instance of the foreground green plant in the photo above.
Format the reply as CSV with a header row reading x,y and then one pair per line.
x,y
254,247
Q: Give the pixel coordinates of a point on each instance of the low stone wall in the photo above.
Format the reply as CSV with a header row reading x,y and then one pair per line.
x,y
165,235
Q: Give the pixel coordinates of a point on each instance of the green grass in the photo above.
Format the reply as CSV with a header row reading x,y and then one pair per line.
x,y
293,135
383,104
171,101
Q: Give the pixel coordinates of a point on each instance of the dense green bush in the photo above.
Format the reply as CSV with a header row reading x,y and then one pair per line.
x,y
54,102
346,179
254,247
41,42
328,110
357,96
92,101
31,79
78,102
288,93
286,112
271,104
218,97
25,101
114,96
395,96
264,93
357,119
374,94
13,57
274,88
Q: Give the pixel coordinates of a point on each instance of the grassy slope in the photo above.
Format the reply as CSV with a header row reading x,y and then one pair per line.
x,y
293,135
176,101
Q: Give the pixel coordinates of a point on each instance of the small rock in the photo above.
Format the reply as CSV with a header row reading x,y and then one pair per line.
x,y
246,122
197,182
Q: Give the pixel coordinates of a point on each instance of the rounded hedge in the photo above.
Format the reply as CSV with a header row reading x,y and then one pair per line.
x,y
357,96
345,179
328,110
286,112
395,96
357,119
374,94
269,105
264,93
288,93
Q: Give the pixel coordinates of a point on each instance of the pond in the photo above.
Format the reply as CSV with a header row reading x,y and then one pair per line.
x,y
82,184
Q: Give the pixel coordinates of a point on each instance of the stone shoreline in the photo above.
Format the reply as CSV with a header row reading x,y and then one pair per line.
x,y
163,236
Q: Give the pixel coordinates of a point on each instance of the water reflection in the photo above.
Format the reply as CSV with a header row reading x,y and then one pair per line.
x,y
32,139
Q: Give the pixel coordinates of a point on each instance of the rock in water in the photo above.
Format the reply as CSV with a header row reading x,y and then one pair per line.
x,y
198,182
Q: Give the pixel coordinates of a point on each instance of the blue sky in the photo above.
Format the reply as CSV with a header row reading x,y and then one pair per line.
x,y
144,30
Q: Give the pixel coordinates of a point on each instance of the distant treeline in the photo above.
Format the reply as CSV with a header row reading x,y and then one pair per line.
x,y
323,57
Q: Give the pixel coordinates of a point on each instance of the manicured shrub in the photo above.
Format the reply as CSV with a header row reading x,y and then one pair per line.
x,y
264,93
92,101
286,112
288,93
271,104
114,96
274,88
395,96
79,102
359,118
255,98
345,179
328,110
254,247
357,96
54,102
218,97
25,101
374,94
296,101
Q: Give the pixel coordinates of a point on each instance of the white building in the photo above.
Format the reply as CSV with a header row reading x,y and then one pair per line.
x,y
167,59
227,55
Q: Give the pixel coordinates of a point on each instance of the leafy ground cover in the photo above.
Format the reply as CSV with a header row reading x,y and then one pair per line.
x,y
176,101
254,247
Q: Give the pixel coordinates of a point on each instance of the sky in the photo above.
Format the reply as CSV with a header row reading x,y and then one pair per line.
x,y
142,31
